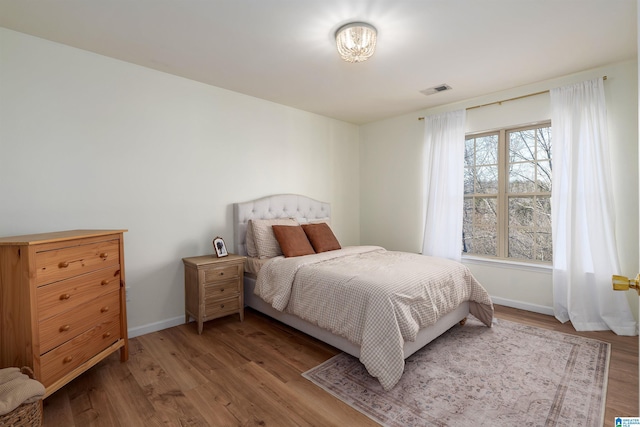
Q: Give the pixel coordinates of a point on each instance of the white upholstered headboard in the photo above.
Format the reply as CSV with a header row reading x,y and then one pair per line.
x,y
276,206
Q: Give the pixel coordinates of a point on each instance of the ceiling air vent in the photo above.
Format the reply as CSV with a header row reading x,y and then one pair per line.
x,y
436,89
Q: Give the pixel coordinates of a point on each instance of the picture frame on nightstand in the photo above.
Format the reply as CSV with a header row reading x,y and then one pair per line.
x,y
220,247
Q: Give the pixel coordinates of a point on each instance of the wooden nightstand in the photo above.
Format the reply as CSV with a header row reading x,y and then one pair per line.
x,y
213,287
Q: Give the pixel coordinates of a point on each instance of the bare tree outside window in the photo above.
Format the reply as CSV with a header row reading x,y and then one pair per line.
x,y
507,194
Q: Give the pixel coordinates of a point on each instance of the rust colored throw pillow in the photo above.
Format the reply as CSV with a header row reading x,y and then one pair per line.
x,y
292,240
321,237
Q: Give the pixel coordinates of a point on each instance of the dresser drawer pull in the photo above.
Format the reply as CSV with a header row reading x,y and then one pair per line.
x,y
105,282
222,273
221,305
64,328
104,309
65,264
104,255
67,359
221,290
106,335
64,297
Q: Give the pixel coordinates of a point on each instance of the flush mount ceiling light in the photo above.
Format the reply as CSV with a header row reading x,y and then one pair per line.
x,y
356,41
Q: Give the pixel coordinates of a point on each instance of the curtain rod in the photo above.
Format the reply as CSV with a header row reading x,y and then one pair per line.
x,y
507,100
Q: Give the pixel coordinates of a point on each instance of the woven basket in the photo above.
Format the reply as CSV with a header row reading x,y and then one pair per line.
x,y
27,414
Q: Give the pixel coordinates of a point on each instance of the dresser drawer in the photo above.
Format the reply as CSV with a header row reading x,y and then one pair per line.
x,y
61,296
58,264
221,290
216,308
56,330
65,358
214,274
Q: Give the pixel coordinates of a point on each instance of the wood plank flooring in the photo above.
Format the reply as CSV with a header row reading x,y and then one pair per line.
x,y
246,374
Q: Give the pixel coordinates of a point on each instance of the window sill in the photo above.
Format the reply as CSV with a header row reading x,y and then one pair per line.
x,y
501,263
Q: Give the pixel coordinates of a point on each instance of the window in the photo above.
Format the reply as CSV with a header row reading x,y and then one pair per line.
x,y
507,194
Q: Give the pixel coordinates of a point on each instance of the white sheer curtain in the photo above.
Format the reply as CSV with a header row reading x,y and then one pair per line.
x,y
444,192
582,217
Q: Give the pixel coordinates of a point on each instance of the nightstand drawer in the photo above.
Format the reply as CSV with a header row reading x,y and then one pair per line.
x,y
62,263
216,308
61,328
221,290
63,359
58,297
215,274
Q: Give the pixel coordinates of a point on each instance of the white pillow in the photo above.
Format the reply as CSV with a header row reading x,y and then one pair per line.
x,y
250,241
265,241
313,221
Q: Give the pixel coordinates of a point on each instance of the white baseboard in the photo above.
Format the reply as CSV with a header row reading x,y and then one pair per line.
x,y
169,323
156,326
523,305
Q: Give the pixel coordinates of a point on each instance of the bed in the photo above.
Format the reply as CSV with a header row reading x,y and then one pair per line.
x,y
383,358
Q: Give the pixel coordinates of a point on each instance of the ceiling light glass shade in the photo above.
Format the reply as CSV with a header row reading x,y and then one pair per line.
x,y
356,41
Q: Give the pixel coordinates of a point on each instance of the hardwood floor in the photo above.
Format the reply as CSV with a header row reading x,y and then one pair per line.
x,y
244,374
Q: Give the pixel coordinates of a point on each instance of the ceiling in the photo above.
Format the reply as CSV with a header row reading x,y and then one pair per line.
x,y
284,50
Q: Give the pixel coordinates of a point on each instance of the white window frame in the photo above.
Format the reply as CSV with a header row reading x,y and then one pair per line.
x,y
502,197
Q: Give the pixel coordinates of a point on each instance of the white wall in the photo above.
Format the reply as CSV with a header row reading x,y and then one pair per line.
x,y
91,142
392,186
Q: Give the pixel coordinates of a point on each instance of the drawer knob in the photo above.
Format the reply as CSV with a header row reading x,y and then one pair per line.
x,y
64,297
222,273
106,335
67,359
64,328
221,305
222,290
63,264
104,282
104,309
104,255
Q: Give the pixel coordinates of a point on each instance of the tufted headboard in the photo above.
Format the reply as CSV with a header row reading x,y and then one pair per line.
x,y
276,206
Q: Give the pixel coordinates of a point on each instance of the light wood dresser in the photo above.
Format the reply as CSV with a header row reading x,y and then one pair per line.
x,y
62,302
214,287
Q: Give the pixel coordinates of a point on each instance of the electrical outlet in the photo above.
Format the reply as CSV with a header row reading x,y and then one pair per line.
x,y
127,289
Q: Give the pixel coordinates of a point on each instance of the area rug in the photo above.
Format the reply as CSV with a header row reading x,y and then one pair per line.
x,y
507,375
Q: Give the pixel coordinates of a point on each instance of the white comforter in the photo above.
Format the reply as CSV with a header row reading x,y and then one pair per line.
x,y
375,298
